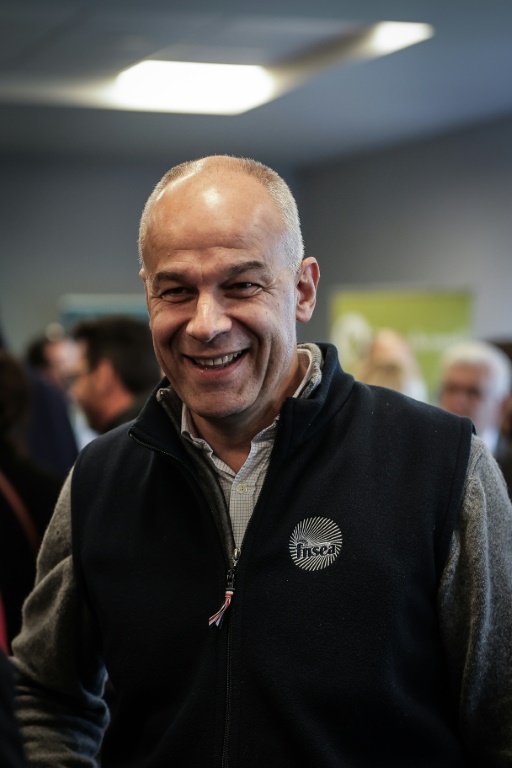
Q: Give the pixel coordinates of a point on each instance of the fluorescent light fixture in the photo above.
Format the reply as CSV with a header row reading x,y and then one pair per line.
x,y
192,87
364,42
215,89
390,36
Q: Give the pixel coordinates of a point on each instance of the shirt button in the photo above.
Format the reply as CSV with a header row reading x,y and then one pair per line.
x,y
242,488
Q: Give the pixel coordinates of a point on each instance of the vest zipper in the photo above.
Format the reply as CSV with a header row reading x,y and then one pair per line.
x,y
227,721
216,620
218,617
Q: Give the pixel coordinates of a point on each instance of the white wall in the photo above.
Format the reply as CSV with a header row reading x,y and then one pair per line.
x,y
436,213
67,225
432,214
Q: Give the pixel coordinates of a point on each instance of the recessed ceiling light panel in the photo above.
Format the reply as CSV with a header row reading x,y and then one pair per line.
x,y
192,87
390,36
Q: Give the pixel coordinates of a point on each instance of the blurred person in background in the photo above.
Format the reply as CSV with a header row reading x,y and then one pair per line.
x,y
506,424
28,494
116,370
47,430
390,362
476,380
504,455
54,356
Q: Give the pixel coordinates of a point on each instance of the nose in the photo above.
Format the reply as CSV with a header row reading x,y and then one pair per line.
x,y
209,319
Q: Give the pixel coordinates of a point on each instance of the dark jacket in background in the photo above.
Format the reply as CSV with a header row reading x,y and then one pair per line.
x,y
38,491
49,436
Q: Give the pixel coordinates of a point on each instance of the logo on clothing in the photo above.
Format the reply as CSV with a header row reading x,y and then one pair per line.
x,y
315,543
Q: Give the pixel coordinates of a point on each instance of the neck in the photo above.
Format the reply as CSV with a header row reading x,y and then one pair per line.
x,y
232,453
230,437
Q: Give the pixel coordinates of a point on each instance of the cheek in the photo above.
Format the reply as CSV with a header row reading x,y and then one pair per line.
x,y
162,326
278,319
286,322
160,344
281,339
487,409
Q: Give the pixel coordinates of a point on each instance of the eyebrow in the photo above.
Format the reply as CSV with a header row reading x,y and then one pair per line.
x,y
169,275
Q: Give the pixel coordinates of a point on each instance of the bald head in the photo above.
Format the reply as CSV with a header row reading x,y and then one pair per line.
x,y
224,170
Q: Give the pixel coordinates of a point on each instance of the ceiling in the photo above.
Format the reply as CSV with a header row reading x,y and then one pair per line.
x,y
460,77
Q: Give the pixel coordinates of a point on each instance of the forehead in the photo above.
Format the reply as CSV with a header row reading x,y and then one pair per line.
x,y
231,210
474,373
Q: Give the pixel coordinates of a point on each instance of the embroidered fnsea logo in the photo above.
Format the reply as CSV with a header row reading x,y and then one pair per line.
x,y
315,543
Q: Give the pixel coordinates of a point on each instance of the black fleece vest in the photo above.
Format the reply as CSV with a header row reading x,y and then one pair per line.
x,y
330,653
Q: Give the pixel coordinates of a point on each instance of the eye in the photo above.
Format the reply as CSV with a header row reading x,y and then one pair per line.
x,y
243,289
176,294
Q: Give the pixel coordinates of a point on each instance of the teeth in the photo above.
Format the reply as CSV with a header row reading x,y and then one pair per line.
x,y
213,361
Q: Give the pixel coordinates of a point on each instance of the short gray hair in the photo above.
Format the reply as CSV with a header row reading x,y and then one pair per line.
x,y
277,188
473,352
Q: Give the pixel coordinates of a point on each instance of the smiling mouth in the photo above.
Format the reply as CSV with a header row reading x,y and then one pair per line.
x,y
216,362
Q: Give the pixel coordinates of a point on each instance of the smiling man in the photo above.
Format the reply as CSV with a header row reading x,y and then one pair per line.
x,y
224,293
275,565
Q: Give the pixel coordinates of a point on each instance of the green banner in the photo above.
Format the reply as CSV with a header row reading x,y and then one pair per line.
x,y
429,321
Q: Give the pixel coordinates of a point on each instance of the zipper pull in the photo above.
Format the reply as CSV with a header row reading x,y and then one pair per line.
x,y
228,596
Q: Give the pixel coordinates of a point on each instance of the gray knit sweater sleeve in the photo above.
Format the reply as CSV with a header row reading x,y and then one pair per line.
x,y
475,613
60,677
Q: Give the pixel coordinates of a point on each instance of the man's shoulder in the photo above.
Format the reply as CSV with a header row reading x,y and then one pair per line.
x,y
385,398
115,436
105,450
400,412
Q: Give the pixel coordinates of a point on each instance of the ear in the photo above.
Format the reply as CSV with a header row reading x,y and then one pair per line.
x,y
307,281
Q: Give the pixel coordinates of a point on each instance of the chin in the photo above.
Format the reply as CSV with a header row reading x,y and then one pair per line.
x,y
217,414
219,411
